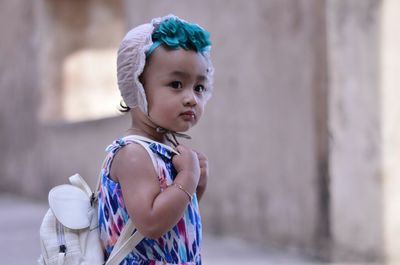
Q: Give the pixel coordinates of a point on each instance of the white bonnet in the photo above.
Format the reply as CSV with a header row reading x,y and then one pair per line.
x,y
131,60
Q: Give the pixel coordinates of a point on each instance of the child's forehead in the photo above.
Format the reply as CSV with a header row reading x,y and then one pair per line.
x,y
177,62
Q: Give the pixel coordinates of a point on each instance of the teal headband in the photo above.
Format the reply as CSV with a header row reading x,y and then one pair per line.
x,y
175,33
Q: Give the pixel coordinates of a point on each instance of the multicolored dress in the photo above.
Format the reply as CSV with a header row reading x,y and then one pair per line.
x,y
180,245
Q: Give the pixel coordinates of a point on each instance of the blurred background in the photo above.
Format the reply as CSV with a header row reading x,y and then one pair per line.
x,y
302,132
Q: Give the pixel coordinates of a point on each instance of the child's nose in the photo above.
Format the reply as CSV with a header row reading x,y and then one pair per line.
x,y
190,98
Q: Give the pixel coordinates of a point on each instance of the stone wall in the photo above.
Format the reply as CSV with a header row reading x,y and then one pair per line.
x,y
364,117
355,126
67,28
390,114
259,129
301,131
19,96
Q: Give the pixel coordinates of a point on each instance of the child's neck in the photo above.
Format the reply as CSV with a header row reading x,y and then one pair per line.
x,y
147,132
143,126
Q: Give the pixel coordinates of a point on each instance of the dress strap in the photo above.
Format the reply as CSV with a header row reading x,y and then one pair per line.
x,y
145,145
145,139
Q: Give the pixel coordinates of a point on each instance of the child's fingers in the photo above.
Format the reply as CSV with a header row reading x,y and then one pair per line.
x,y
203,161
180,149
185,153
203,171
199,154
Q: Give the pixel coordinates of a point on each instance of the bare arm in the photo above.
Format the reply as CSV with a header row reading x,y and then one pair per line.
x,y
154,212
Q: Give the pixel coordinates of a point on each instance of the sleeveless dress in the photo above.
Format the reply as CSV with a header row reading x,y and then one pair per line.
x,y
180,245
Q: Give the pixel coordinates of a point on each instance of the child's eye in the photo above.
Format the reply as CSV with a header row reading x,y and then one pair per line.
x,y
175,84
200,88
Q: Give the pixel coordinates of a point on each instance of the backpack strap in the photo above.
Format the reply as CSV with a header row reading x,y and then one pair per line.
x,y
125,243
130,236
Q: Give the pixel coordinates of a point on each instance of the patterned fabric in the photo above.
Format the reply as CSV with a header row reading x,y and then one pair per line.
x,y
180,245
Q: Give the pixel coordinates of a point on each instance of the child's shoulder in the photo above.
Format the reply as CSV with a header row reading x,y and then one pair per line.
x,y
132,151
131,157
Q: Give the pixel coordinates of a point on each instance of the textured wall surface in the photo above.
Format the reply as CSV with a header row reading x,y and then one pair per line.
x,y
390,66
65,29
355,128
302,131
259,128
19,97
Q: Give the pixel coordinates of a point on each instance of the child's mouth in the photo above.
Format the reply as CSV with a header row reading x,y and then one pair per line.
x,y
188,115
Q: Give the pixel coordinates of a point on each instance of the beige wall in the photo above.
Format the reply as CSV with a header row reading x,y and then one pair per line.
x,y
390,115
66,149
260,128
66,28
299,131
364,162
19,96
355,127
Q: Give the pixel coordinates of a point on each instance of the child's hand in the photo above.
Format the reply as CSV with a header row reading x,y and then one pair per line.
x,y
203,162
187,166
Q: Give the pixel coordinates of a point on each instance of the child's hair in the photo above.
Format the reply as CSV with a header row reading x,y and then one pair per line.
x,y
140,42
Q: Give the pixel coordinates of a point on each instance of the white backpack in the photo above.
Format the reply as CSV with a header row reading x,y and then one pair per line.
x,y
69,231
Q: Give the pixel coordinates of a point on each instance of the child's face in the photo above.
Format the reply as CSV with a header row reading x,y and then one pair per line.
x,y
175,82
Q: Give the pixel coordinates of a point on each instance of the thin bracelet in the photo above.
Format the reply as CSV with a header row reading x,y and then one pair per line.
x,y
179,186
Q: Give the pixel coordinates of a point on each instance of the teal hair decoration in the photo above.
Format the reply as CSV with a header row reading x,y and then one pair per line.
x,y
175,33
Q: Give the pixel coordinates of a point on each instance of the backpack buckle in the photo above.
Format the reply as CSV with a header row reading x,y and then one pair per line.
x,y
93,199
63,249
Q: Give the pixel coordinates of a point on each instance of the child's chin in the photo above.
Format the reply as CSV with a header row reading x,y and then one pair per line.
x,y
185,128
181,127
